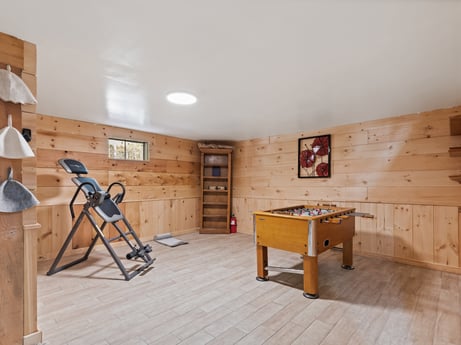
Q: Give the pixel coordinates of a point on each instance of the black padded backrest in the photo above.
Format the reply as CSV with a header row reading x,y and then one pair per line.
x,y
73,166
108,210
86,188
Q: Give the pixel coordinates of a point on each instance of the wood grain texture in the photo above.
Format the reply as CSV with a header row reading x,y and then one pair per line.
x,y
11,51
30,277
206,293
161,194
455,124
12,282
396,168
403,231
19,230
446,240
423,233
384,229
377,166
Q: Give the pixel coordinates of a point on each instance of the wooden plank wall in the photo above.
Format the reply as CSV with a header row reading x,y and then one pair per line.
x,y
162,194
395,168
31,227
11,234
18,231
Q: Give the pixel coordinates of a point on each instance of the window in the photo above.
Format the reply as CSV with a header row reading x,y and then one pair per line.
x,y
128,149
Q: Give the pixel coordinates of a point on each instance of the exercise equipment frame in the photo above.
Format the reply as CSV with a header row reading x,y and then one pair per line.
x,y
106,207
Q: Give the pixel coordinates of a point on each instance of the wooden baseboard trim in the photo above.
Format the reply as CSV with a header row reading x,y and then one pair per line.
x,y
35,226
33,338
432,266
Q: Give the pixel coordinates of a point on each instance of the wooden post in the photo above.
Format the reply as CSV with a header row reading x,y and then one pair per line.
x,y
18,231
311,276
261,262
12,282
347,254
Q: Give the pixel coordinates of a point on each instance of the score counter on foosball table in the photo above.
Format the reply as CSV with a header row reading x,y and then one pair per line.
x,y
308,231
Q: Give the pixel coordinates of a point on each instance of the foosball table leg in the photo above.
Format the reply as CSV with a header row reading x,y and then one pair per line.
x,y
311,277
347,255
261,263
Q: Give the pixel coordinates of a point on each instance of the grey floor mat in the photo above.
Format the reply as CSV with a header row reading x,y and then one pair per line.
x,y
168,240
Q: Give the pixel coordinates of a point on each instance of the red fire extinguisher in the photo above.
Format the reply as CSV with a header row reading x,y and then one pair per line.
x,y
233,224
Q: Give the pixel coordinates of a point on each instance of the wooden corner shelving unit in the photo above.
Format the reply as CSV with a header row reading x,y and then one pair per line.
x,y
455,129
216,190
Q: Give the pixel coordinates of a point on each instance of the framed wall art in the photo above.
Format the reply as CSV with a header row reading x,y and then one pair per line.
x,y
314,156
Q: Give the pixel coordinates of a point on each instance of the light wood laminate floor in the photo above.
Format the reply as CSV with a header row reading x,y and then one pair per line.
x,y
205,292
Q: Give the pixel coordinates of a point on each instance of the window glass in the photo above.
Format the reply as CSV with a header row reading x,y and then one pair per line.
x,y
127,149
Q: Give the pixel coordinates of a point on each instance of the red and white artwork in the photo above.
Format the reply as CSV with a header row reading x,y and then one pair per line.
x,y
314,156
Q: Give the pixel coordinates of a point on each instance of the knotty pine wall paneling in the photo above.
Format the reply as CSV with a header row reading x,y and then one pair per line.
x,y
11,234
18,231
162,194
395,168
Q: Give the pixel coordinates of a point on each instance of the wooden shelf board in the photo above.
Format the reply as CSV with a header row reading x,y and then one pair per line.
x,y
215,151
455,125
455,151
215,191
222,217
220,165
215,177
214,231
456,178
217,204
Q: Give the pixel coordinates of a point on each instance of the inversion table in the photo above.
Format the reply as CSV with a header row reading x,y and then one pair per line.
x,y
106,207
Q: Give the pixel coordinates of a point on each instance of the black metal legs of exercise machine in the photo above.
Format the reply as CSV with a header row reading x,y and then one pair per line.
x,y
106,207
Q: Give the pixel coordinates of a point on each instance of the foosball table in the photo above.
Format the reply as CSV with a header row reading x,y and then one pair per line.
x,y
306,230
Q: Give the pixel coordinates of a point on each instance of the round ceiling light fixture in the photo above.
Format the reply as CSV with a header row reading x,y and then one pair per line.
x,y
181,98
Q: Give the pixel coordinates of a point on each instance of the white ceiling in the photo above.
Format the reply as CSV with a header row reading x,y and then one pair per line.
x,y
258,67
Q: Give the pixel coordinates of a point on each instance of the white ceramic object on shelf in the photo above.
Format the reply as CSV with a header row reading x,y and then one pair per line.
x,y
13,89
12,143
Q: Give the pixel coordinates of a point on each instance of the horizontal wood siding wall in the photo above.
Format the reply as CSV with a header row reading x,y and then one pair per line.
x,y
396,169
162,194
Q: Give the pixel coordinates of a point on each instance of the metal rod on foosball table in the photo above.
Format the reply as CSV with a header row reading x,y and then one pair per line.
x,y
284,269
